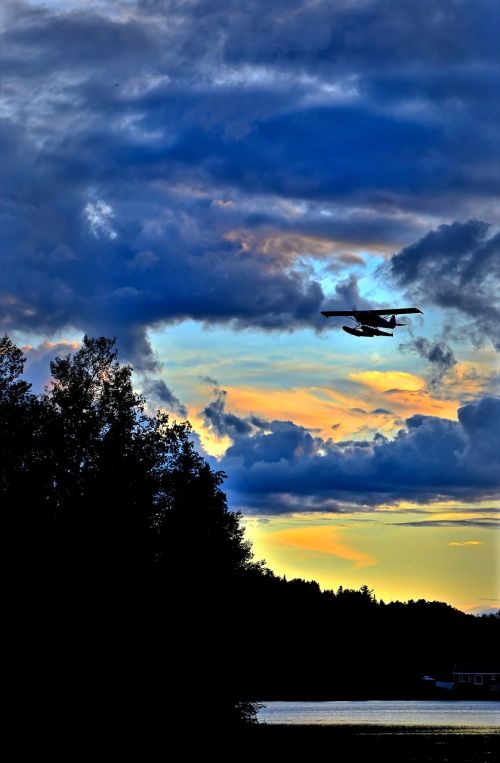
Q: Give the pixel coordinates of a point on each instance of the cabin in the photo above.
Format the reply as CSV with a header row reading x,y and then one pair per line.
x,y
477,678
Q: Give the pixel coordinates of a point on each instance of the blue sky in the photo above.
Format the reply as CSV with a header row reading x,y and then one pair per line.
x,y
201,179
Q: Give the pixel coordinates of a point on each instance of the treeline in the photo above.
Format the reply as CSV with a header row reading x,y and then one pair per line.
x,y
313,644
137,596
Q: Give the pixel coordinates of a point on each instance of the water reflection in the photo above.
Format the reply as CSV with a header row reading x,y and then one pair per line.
x,y
451,714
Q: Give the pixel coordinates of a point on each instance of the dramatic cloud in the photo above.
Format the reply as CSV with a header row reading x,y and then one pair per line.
x,y
440,356
221,422
457,268
166,160
279,467
156,391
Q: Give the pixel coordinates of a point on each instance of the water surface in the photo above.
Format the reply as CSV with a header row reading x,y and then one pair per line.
x,y
457,714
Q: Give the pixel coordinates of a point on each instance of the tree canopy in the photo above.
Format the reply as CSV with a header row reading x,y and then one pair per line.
x,y
121,524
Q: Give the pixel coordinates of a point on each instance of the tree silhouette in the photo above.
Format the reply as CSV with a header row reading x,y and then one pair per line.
x,y
24,482
126,537
14,409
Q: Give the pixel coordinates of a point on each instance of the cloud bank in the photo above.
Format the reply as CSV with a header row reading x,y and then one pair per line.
x,y
278,467
456,267
168,160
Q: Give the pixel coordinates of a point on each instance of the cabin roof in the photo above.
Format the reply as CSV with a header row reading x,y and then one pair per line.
x,y
477,668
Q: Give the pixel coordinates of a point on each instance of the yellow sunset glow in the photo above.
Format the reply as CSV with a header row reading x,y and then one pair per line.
x,y
379,550
213,444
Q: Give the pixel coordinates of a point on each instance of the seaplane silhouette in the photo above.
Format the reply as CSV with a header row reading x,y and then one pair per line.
x,y
369,322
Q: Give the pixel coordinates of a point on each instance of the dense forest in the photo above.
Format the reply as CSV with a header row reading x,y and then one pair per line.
x,y
136,591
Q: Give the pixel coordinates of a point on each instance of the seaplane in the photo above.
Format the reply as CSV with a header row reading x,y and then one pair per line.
x,y
369,322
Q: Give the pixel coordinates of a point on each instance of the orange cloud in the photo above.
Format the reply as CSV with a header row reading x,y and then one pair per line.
x,y
405,393
466,543
289,246
333,412
321,540
315,407
469,379
322,407
46,345
382,381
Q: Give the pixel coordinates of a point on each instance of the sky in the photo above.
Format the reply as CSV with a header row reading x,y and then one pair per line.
x,y
200,179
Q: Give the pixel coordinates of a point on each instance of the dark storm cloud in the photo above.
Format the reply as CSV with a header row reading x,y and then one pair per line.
x,y
156,391
440,356
71,260
457,268
429,459
223,423
72,41
322,34
210,381
142,144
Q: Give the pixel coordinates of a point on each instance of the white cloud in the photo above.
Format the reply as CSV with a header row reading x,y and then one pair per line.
x,y
99,216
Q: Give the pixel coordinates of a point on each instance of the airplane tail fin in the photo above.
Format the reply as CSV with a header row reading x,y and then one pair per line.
x,y
392,322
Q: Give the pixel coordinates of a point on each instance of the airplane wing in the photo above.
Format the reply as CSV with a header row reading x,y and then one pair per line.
x,y
387,311
396,311
330,313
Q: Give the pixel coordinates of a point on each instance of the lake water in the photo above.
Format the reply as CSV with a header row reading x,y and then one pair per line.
x,y
457,714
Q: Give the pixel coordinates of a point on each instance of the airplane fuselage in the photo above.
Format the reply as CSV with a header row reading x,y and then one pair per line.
x,y
371,319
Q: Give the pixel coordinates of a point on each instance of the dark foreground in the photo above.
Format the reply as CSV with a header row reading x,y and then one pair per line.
x,y
183,741
351,743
